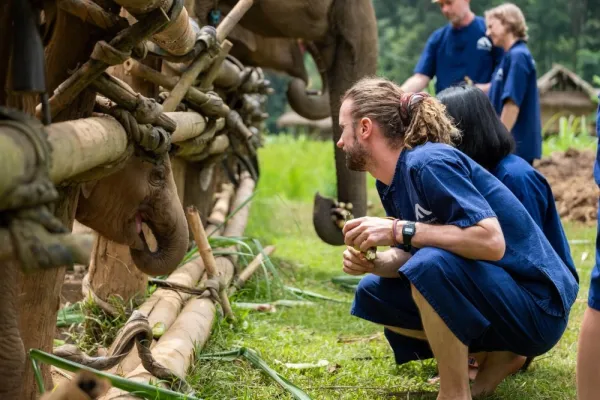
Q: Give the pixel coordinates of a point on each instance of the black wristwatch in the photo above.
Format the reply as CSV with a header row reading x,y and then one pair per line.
x,y
408,231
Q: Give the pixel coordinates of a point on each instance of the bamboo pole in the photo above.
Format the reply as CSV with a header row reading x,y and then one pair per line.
x,y
204,59
191,330
67,91
206,253
207,80
79,146
90,12
198,100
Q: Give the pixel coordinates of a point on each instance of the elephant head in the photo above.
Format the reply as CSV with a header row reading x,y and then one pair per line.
x,y
143,191
341,36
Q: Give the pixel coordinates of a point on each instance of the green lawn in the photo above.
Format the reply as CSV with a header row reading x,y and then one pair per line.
x,y
281,215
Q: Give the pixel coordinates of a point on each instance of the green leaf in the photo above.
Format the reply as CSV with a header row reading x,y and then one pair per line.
x,y
253,357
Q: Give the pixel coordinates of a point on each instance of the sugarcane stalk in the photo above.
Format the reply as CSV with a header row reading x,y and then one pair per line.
x,y
205,251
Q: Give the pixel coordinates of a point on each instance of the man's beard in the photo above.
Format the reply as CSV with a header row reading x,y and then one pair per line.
x,y
357,158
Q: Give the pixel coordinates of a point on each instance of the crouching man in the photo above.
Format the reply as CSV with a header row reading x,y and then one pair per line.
x,y
468,271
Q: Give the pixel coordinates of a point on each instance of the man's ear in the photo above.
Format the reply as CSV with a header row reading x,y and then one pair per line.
x,y
366,127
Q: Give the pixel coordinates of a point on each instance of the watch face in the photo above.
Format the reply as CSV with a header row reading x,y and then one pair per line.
x,y
409,230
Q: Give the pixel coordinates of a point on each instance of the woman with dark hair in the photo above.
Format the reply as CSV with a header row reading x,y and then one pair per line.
x,y
486,140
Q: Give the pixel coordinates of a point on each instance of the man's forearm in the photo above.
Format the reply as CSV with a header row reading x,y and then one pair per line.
x,y
415,83
509,115
483,241
388,262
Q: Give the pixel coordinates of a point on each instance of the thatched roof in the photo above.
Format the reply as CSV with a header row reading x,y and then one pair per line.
x,y
561,86
291,119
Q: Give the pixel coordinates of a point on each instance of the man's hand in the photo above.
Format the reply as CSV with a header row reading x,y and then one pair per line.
x,y
355,262
368,232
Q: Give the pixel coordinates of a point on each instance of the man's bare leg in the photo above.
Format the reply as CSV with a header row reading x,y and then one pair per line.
x,y
588,354
494,369
451,354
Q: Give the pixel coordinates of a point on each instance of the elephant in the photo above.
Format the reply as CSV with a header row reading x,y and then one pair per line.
x,y
143,191
341,35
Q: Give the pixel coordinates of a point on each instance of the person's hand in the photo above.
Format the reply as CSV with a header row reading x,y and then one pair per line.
x,y
366,232
355,262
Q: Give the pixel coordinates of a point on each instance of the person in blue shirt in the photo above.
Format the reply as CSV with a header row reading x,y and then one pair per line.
x,y
456,52
468,270
487,141
513,90
588,350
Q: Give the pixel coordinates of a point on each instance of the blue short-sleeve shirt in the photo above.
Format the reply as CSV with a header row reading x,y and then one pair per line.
x,y
438,184
451,54
515,78
534,192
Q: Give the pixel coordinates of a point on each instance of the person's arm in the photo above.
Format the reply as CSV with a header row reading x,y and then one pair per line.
x,y
515,88
385,265
415,83
482,241
425,68
510,112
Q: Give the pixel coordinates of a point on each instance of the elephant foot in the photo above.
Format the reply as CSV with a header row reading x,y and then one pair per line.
x,y
329,217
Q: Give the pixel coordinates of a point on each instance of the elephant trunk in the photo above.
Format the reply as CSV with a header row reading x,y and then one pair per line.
x,y
355,57
307,105
166,218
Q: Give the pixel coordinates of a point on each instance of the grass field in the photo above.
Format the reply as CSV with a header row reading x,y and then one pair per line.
x,y
360,363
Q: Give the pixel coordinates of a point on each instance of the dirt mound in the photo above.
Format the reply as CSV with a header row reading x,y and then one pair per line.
x,y
571,176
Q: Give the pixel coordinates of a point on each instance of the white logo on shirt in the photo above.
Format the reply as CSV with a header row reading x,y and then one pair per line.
x,y
499,75
420,212
484,43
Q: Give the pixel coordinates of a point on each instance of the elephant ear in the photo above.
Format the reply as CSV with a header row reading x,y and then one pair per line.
x,y
87,188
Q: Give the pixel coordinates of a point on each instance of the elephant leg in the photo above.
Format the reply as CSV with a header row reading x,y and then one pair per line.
x,y
354,56
12,351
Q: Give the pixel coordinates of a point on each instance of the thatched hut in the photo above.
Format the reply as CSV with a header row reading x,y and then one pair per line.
x,y
563,93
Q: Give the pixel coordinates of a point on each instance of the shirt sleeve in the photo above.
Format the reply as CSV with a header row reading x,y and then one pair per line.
x,y
427,61
446,188
515,85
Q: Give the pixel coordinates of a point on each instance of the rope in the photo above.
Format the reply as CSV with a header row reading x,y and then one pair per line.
x,y
153,139
136,331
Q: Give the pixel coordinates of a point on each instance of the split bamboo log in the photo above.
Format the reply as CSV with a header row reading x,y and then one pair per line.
x,y
78,146
164,305
191,330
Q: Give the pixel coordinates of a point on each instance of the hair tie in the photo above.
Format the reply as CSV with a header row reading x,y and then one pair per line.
x,y
407,101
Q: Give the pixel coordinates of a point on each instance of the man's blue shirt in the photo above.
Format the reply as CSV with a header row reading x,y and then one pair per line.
x,y
451,54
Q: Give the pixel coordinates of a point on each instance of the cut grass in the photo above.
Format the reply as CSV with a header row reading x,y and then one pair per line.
x,y
360,369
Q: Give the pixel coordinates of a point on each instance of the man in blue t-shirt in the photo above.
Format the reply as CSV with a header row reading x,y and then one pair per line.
x,y
588,352
456,52
468,270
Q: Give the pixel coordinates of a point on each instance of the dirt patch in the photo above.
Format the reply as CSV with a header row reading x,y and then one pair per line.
x,y
571,176
71,289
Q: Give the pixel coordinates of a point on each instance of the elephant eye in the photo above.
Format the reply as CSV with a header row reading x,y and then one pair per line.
x,y
157,176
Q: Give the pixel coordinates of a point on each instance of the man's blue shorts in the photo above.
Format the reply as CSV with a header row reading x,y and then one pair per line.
x,y
481,303
594,294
